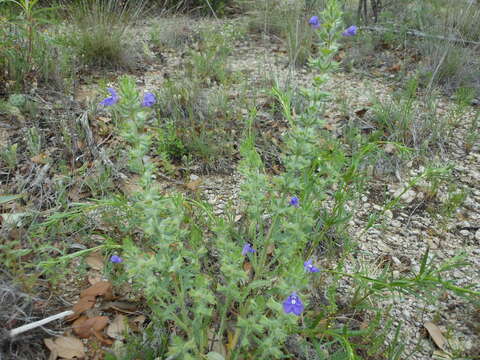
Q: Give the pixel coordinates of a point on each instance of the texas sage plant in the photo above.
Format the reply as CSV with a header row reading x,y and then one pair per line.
x,y
245,284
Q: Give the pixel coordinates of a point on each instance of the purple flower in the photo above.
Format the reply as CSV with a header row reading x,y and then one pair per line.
x,y
294,201
350,31
247,248
309,267
116,259
293,304
314,22
112,100
149,99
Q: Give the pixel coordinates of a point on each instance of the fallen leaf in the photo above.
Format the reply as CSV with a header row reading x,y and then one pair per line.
x,y
40,158
102,288
102,338
247,267
118,327
389,148
131,185
67,347
94,277
395,68
95,261
122,306
218,347
140,319
436,335
83,304
84,327
136,323
194,185
361,112
270,249
76,194
77,324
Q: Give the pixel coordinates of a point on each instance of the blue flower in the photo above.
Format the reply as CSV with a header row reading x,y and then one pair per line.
x,y
247,248
350,31
314,22
294,201
293,304
309,267
112,100
149,99
116,259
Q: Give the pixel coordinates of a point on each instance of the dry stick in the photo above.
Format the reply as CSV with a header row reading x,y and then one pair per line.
x,y
211,8
83,121
41,176
38,323
422,34
430,83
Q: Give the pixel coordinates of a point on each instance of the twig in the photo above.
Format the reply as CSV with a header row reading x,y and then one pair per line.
x,y
83,121
422,34
430,83
211,8
38,323
41,176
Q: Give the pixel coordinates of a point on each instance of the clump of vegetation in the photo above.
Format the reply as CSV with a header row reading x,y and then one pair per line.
x,y
99,31
195,123
26,51
439,34
171,33
289,21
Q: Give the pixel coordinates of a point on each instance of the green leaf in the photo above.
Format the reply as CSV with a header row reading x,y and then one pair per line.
x,y
212,355
7,198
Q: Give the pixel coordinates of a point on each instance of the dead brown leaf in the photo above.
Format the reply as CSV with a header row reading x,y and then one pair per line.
x,y
194,184
122,306
389,148
116,330
247,267
270,249
102,288
84,327
94,277
131,186
76,194
361,112
83,304
95,261
395,68
40,158
67,347
436,335
140,319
